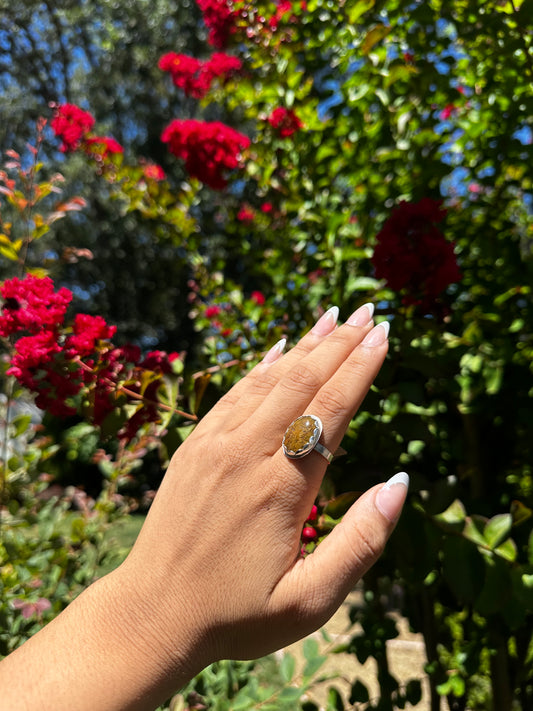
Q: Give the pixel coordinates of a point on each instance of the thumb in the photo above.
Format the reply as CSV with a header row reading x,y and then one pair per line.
x,y
331,571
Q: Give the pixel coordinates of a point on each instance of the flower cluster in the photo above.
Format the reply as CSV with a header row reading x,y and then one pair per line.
x,y
285,121
195,77
71,124
413,255
209,149
220,20
58,363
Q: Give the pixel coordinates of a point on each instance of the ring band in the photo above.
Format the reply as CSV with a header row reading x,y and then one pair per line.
x,y
302,436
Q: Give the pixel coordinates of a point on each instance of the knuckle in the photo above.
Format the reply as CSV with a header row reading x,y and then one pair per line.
x,y
302,379
332,402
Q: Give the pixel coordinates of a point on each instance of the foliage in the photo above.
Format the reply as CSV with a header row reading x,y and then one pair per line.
x,y
375,128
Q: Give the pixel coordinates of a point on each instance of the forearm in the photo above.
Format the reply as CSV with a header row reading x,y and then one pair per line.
x,y
103,652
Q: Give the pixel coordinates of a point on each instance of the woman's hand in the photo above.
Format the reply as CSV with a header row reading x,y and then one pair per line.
x,y
216,571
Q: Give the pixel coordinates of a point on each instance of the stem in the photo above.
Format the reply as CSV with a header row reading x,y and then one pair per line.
x,y
430,640
5,438
502,698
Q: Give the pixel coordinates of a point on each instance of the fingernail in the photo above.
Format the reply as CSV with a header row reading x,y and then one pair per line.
x,y
377,335
326,323
390,498
362,316
275,352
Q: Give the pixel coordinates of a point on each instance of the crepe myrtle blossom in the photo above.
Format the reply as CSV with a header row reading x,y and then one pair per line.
x,y
194,76
413,256
59,362
285,121
209,149
220,19
71,124
101,147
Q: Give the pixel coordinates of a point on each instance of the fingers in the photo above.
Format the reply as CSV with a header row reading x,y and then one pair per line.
x,y
318,584
245,397
329,382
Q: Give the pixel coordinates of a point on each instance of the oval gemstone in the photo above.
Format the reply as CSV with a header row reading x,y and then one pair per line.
x,y
301,436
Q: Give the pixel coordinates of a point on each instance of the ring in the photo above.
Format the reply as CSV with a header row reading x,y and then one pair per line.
x,y
302,436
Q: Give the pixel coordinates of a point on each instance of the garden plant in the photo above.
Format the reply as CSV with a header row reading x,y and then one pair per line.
x,y
323,153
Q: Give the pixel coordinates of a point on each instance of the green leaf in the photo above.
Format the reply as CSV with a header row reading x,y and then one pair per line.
x,y
453,518
310,648
497,529
287,667
359,9
334,701
313,665
337,507
290,694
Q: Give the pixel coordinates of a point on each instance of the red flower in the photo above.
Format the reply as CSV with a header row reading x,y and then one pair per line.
x,y
103,146
153,171
447,111
212,311
159,361
285,121
266,207
71,124
209,149
219,19
258,297
245,214
87,330
195,77
413,255
30,304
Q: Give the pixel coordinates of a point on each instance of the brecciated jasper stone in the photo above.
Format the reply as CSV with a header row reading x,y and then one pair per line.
x,y
301,436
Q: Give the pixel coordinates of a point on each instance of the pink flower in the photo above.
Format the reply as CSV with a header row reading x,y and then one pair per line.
x,y
28,609
209,149
284,121
71,124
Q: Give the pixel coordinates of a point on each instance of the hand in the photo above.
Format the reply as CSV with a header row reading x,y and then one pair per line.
x,y
216,571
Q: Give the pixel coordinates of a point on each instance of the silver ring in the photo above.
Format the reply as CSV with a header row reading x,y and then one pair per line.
x,y
302,436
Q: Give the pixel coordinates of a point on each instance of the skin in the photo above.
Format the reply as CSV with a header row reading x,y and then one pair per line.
x,y
216,571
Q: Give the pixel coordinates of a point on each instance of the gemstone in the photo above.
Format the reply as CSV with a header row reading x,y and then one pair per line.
x,y
301,436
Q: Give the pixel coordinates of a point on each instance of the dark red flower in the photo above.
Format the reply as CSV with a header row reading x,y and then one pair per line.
x,y
412,254
71,124
209,149
285,121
